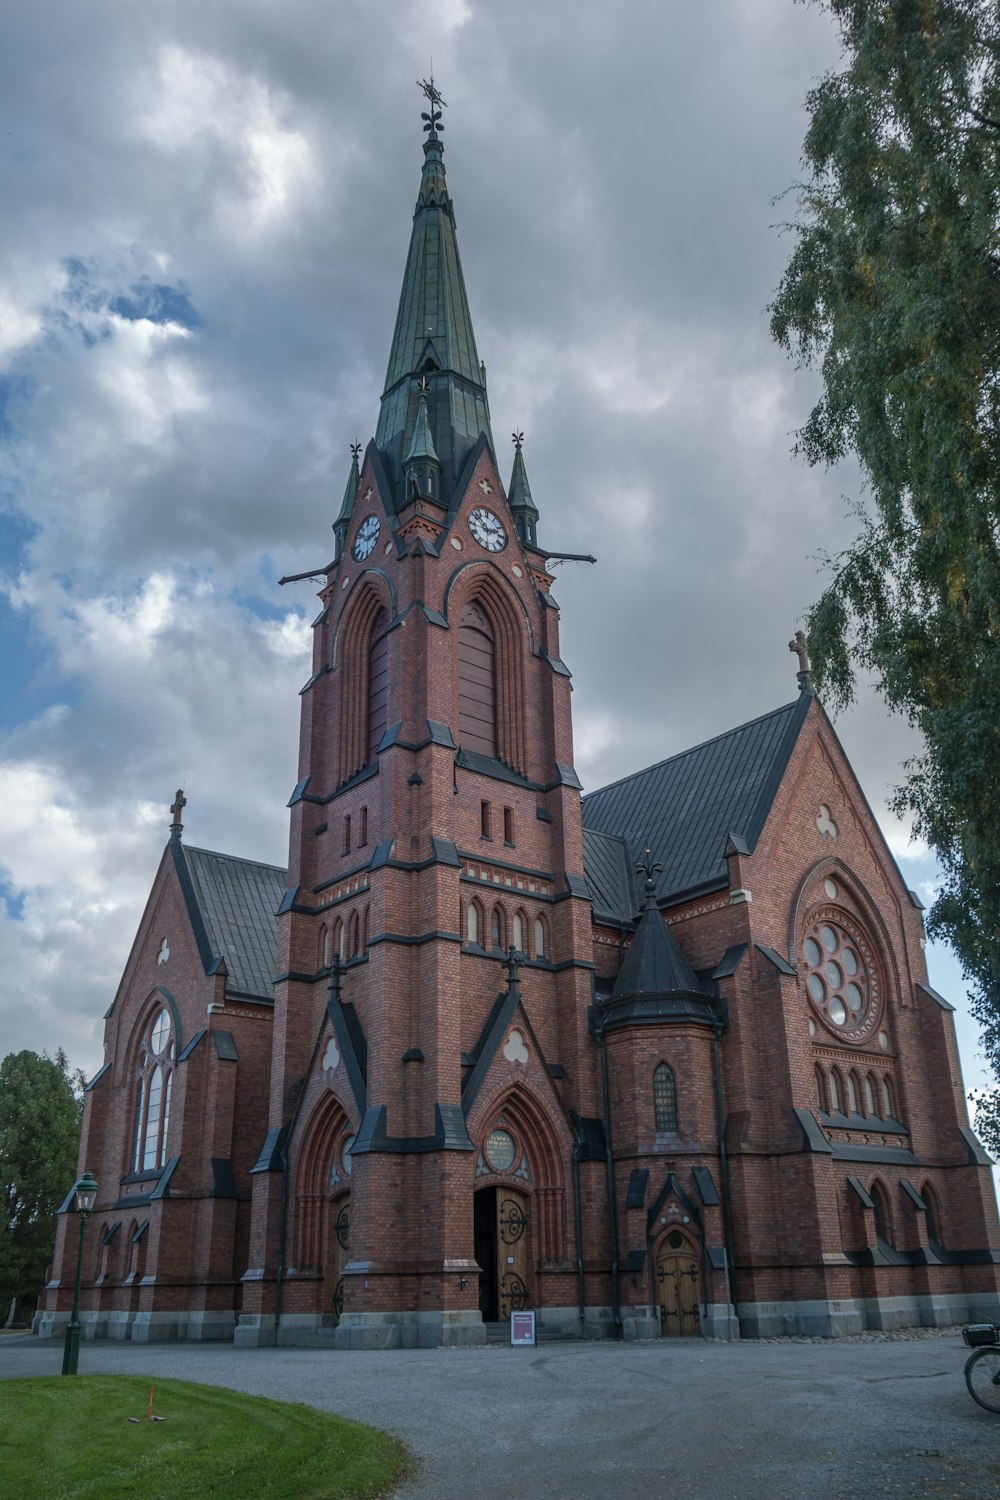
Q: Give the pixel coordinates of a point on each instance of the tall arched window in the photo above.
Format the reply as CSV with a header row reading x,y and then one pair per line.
x,y
871,1107
852,1093
931,1216
378,682
473,923
365,918
888,1101
338,939
154,1079
352,935
518,936
477,689
820,1088
883,1223
539,938
664,1098
498,928
834,1092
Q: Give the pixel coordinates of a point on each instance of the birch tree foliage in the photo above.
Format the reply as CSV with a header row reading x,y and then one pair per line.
x,y
892,294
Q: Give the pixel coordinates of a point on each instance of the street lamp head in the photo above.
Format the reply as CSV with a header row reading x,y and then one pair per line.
x,y
86,1194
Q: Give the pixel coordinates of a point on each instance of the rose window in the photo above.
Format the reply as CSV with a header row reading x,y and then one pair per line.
x,y
840,976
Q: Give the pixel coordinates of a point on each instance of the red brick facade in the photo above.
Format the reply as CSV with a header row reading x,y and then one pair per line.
x,y
325,1154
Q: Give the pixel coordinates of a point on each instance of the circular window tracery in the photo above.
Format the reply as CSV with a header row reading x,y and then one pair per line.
x,y
840,975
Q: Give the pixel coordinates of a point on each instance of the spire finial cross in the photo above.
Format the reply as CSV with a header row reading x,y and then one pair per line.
x,y
177,807
432,120
800,646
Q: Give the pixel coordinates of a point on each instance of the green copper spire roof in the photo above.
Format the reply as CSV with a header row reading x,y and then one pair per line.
x,y
421,443
523,508
433,338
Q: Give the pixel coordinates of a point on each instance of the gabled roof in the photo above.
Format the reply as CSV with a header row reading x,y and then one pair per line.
x,y
686,807
236,900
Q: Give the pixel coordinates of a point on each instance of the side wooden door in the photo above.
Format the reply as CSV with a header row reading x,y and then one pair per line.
x,y
337,1255
513,1253
677,1287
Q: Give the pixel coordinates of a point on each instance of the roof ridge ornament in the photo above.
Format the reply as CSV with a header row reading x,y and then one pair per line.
x,y
800,646
432,120
650,870
177,807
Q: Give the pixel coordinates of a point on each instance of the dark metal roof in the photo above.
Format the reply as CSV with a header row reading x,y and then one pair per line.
x,y
237,900
686,807
609,868
654,965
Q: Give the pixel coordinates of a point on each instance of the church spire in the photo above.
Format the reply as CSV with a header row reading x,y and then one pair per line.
x,y
433,338
522,506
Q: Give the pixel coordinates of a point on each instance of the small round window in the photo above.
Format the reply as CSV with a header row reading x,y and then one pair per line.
x,y
840,976
499,1150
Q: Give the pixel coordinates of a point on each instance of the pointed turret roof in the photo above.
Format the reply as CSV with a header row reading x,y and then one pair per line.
x,y
421,443
654,965
523,508
342,522
433,338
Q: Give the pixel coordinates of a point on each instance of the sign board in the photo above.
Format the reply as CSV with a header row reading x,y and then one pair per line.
x,y
522,1328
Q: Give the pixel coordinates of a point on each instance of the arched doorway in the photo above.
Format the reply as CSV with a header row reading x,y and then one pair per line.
x,y
503,1251
677,1290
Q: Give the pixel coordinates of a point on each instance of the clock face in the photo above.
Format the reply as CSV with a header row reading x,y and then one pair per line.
x,y
487,529
366,538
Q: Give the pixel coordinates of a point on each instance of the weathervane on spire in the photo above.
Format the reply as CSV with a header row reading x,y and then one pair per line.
x,y
517,438
355,451
432,121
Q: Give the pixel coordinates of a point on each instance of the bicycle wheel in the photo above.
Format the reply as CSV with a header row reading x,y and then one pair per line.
x,y
982,1376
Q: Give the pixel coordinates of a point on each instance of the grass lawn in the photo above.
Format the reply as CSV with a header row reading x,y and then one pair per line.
x,y
70,1438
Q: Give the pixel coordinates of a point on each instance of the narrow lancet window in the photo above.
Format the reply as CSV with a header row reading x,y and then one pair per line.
x,y
664,1098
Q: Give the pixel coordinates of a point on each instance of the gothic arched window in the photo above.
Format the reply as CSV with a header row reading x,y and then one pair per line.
x,y
154,1079
518,937
883,1223
473,923
498,928
477,689
540,938
664,1098
834,1091
378,682
852,1093
352,935
871,1108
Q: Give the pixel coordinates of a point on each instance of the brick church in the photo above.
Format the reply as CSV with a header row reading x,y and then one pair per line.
x,y
662,1059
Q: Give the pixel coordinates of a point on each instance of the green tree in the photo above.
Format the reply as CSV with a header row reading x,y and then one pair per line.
x,y
892,292
40,1113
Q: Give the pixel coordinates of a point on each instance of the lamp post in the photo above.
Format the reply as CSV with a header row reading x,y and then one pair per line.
x,y
85,1196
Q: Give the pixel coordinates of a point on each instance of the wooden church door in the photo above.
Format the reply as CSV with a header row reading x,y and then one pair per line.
x,y
677,1286
503,1252
337,1252
513,1251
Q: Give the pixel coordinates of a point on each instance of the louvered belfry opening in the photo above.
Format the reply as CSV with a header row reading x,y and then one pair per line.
x,y
477,686
378,682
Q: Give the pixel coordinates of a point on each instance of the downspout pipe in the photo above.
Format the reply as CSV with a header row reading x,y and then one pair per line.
x,y
612,1197
727,1205
578,1228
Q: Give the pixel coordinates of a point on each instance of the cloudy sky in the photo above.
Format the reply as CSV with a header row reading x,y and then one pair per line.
x,y
206,213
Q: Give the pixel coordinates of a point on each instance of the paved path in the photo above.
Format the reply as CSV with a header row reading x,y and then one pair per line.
x,y
588,1421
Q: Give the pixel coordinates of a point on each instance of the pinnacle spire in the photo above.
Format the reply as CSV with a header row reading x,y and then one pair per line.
x,y
519,499
343,521
433,339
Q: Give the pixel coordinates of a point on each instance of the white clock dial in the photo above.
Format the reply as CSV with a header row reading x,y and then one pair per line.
x,y
487,529
366,538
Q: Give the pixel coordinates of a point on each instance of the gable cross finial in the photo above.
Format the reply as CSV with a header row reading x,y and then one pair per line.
x,y
512,964
650,870
177,807
800,646
432,120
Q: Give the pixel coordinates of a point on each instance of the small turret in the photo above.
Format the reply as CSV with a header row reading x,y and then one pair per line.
x,y
343,521
421,466
522,506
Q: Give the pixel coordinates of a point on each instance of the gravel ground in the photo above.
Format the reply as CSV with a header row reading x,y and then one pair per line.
x,y
778,1420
